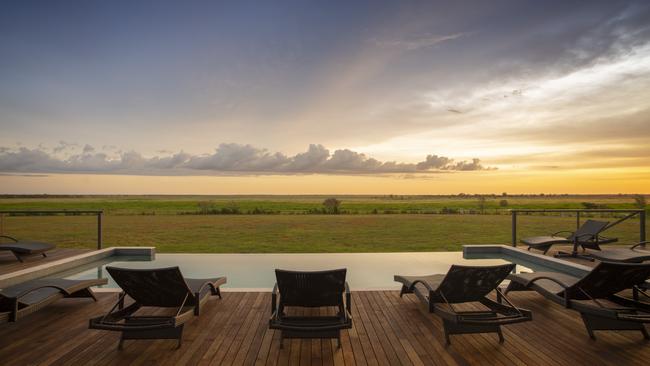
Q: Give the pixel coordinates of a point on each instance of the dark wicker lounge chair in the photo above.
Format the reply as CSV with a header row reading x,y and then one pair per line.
x,y
21,248
587,236
595,295
310,289
160,287
464,284
25,298
637,253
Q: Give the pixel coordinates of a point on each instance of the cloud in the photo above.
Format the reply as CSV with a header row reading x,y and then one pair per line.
x,y
433,161
412,44
63,146
230,158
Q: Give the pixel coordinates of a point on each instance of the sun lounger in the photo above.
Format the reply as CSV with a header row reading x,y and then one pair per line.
x,y
464,284
21,248
634,254
310,289
587,236
25,298
594,295
160,287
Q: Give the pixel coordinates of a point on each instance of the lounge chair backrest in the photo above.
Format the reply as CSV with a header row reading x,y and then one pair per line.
x,y
608,278
589,230
468,283
311,289
161,287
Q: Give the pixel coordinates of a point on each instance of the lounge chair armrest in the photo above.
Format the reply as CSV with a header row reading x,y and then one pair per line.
x,y
9,237
424,283
203,286
348,297
348,314
641,243
563,231
564,285
274,298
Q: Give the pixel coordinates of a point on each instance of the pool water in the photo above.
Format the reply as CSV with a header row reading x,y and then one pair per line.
x,y
366,271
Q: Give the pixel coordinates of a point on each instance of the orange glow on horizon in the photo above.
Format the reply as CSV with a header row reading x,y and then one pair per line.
x,y
591,181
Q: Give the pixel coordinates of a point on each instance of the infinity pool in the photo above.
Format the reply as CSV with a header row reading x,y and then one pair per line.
x,y
366,271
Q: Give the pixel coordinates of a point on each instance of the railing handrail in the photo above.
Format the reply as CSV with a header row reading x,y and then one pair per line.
x,y
98,213
51,211
601,210
631,212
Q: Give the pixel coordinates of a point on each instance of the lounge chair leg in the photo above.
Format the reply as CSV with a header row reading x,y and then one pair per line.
x,y
180,340
591,333
646,336
281,341
197,307
501,339
218,290
338,341
91,294
403,291
44,255
119,345
447,340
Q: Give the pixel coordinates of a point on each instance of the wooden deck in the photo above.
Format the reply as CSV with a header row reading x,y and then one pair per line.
x,y
9,263
387,331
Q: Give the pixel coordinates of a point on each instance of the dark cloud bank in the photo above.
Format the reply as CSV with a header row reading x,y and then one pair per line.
x,y
234,159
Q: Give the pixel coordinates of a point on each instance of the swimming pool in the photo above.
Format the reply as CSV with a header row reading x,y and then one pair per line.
x,y
366,271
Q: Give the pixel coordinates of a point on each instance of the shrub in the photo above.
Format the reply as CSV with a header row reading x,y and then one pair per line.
x,y
331,205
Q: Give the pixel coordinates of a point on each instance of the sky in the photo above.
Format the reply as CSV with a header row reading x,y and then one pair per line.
x,y
316,97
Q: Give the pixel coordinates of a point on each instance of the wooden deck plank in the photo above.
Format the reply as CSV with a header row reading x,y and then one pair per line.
x,y
387,330
234,319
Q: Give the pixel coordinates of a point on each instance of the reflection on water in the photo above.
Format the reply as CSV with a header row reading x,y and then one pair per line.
x,y
255,271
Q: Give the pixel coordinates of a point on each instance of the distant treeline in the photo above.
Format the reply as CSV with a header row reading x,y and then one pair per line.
x,y
386,196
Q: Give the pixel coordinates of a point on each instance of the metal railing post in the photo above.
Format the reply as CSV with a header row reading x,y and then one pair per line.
x,y
99,230
642,226
514,228
577,220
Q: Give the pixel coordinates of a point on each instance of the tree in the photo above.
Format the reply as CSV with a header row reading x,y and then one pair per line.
x,y
503,203
639,201
332,205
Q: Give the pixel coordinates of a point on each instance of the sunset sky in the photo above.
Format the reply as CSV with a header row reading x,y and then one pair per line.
x,y
306,97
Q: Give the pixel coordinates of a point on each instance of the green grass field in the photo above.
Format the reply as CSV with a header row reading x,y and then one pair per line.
x,y
390,204
159,221
293,233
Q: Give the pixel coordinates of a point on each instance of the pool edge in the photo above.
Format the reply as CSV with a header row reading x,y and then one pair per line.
x,y
544,260
49,268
